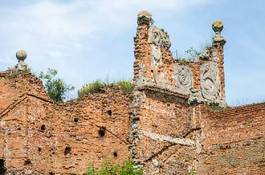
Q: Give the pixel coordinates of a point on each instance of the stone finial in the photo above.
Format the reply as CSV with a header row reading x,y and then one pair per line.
x,y
144,17
21,56
217,27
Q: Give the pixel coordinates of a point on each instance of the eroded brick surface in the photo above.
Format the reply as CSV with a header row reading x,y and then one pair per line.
x,y
167,124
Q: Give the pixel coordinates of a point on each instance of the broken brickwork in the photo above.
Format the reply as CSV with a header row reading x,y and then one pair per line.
x,y
39,136
175,121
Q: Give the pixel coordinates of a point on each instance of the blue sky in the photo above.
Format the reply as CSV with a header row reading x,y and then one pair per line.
x,y
87,40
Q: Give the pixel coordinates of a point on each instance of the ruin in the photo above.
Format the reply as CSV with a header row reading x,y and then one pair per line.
x,y
175,121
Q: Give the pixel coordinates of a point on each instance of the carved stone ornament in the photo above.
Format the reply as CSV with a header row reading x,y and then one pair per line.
x,y
209,82
217,27
156,54
183,77
144,17
21,56
158,37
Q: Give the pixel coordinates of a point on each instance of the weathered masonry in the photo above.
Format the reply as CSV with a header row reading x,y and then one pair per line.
x,y
175,121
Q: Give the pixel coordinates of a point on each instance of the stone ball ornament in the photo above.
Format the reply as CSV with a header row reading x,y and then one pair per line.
x,y
21,55
217,26
144,17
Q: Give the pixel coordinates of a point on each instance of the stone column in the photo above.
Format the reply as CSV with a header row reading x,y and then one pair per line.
x,y
218,47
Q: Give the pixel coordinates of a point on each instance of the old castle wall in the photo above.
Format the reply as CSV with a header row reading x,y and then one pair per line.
x,y
167,124
233,141
38,136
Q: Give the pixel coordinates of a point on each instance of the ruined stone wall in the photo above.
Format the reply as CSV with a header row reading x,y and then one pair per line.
x,y
233,141
166,130
174,130
167,125
202,78
39,136
15,85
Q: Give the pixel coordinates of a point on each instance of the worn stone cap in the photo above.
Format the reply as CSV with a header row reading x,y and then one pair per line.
x,y
217,26
21,55
144,17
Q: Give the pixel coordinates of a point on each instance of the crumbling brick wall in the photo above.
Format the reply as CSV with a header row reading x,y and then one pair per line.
x,y
165,130
201,78
158,125
233,141
39,136
168,124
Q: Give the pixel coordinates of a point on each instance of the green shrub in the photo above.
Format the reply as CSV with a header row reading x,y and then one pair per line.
x,y
98,86
56,88
125,85
128,168
109,168
95,86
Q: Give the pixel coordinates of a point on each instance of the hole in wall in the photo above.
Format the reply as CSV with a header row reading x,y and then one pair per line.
x,y
2,166
109,112
76,119
67,150
43,127
101,131
115,153
27,162
39,149
51,173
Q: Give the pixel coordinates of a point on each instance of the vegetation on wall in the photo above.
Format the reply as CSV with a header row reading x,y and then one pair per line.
x,y
125,85
14,73
98,86
192,53
56,88
94,87
109,168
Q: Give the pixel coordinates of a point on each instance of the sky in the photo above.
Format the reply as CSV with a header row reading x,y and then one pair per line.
x,y
87,40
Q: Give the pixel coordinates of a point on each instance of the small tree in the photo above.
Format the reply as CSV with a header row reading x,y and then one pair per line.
x,y
55,87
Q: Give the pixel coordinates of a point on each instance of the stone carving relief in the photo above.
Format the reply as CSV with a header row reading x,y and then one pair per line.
x,y
157,38
209,81
183,77
156,54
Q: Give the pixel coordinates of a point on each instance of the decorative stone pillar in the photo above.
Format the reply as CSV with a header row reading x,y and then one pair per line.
x,y
21,56
218,55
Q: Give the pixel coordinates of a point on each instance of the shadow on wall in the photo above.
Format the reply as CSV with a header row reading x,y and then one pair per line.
x,y
2,166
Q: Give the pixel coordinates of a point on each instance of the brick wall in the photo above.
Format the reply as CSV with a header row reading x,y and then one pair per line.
x,y
167,124
233,141
155,65
39,136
